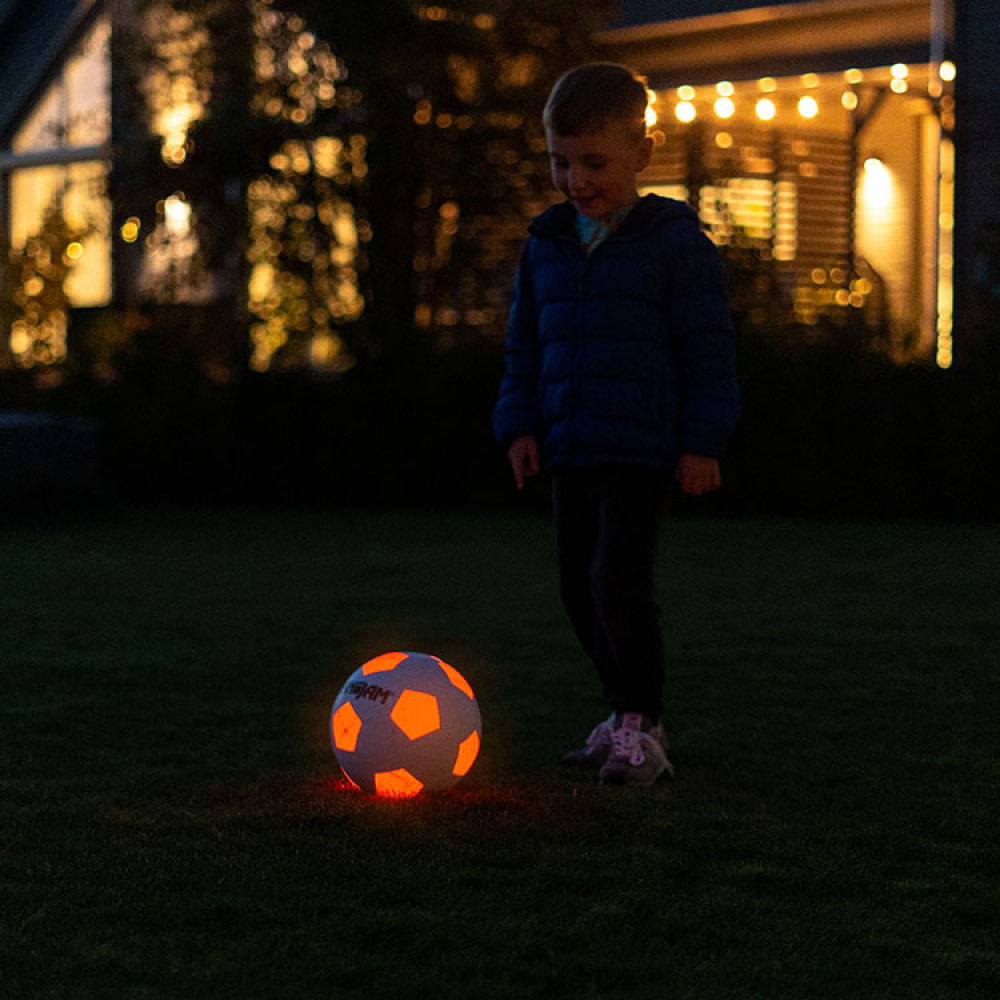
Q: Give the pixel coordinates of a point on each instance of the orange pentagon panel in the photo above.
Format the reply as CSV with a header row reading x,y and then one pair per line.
x,y
345,725
456,678
387,661
398,784
468,751
416,713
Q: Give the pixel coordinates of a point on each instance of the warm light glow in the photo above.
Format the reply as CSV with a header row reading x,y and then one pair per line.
x,y
58,217
345,726
651,117
296,217
849,100
753,207
416,713
387,661
398,784
946,261
685,93
724,89
724,140
765,109
724,107
899,86
177,82
130,230
177,216
810,81
900,71
468,750
808,107
947,70
685,111
768,84
854,76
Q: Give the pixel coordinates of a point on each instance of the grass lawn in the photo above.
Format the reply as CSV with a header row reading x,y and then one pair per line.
x,y
172,823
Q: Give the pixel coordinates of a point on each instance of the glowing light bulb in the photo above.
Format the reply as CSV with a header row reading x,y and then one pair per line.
x,y
808,107
947,70
724,107
177,215
685,111
765,109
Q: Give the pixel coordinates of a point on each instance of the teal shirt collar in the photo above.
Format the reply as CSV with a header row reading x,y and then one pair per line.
x,y
592,232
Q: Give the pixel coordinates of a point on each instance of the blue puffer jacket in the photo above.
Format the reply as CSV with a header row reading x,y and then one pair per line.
x,y
624,357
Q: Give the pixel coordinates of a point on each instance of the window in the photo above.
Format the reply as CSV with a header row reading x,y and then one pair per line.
x,y
749,205
56,210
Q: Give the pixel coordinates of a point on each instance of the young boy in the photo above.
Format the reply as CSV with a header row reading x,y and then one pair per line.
x,y
619,378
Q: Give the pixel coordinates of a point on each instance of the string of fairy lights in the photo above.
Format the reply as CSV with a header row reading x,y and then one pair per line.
x,y
803,95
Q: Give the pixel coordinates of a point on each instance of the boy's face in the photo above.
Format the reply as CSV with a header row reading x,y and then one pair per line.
x,y
596,171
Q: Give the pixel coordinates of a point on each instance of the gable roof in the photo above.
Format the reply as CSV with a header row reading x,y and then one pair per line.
x,y
33,35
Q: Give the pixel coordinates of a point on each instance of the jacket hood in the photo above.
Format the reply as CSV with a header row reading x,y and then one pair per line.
x,y
649,211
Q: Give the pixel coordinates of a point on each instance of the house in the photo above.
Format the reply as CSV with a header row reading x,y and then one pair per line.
x,y
824,135
821,132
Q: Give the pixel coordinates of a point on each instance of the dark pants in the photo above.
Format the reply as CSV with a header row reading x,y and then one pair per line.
x,y
607,522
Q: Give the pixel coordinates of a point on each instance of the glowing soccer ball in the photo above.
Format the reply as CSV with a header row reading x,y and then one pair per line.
x,y
405,722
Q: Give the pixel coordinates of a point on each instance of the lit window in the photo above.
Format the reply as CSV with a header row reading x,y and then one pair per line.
x,y
58,215
752,207
78,189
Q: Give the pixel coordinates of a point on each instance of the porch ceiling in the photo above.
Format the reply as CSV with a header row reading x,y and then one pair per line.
x,y
751,42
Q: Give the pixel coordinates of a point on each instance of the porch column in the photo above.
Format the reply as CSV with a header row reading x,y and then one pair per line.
x,y
977,187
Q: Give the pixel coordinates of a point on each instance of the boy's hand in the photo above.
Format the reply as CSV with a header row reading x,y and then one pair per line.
x,y
698,474
524,460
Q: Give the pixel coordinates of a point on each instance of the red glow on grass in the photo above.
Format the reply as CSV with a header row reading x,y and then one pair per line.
x,y
399,784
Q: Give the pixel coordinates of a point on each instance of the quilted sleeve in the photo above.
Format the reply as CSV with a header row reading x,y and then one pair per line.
x,y
517,409
703,339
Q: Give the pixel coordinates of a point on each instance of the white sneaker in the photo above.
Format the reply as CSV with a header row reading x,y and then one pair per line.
x,y
636,757
596,750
